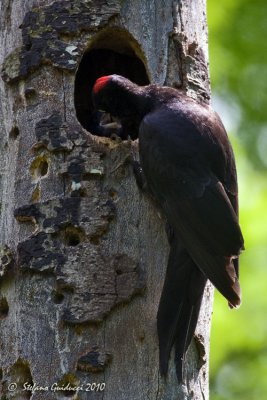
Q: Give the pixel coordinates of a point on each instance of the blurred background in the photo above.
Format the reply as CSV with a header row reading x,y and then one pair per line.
x,y
238,66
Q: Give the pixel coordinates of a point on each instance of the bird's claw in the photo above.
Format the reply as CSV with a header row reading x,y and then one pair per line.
x,y
139,175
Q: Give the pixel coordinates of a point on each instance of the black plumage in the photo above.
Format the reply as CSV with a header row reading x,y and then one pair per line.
x,y
189,168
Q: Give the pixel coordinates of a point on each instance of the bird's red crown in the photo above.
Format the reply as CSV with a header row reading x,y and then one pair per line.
x,y
100,84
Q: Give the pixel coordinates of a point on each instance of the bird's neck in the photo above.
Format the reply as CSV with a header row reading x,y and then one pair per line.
x,y
138,98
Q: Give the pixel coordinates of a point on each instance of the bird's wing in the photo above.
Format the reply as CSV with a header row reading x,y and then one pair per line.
x,y
175,160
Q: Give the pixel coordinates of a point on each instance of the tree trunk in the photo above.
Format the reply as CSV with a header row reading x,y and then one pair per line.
x,y
83,252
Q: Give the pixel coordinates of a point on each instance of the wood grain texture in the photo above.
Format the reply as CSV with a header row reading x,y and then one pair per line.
x,y
83,252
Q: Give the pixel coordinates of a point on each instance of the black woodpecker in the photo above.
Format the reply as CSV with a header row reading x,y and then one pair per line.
x,y
189,169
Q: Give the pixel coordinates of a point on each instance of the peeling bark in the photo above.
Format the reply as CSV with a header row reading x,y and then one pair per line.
x,y
83,252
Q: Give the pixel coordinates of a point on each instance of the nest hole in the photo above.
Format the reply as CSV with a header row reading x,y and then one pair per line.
x,y
113,51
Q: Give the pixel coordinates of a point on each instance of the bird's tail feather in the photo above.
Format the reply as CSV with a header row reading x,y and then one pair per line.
x,y
188,318
179,307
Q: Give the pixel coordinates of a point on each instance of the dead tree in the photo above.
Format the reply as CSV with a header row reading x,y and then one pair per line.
x,y
83,252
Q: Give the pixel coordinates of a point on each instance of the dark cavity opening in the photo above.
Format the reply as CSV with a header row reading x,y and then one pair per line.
x,y
111,52
73,236
4,308
58,297
43,168
14,133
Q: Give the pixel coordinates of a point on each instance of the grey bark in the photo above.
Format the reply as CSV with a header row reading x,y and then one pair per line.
x,y
83,252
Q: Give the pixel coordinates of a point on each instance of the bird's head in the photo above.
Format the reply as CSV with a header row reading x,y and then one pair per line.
x,y
114,95
120,104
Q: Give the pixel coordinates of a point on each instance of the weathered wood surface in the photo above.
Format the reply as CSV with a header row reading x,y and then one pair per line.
x,y
83,252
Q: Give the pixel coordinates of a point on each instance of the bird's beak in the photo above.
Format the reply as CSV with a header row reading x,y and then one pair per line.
x,y
109,122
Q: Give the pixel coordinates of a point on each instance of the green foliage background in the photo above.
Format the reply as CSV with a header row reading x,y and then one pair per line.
x,y
238,65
